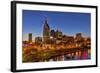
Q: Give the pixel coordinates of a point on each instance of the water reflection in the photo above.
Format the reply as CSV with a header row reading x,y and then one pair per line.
x,y
80,55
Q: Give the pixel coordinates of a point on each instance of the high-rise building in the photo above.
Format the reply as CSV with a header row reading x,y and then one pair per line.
x,y
68,39
52,34
46,32
78,37
38,40
30,37
58,35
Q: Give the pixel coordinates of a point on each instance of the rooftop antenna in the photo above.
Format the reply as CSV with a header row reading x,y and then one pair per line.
x,y
46,19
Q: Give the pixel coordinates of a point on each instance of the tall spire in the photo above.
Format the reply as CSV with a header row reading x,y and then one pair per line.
x,y
46,21
46,31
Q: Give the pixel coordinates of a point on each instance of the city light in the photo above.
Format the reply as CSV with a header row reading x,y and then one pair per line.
x,y
54,45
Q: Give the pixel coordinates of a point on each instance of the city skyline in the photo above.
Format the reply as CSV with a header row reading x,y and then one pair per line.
x,y
33,22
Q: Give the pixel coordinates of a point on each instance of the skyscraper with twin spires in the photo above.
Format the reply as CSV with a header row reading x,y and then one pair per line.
x,y
46,32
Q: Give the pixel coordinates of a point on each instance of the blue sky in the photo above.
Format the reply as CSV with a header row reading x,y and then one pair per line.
x,y
69,23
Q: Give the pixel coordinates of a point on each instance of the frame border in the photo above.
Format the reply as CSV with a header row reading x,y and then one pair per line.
x,y
13,35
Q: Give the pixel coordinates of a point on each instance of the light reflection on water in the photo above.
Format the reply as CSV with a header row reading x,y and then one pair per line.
x,y
73,56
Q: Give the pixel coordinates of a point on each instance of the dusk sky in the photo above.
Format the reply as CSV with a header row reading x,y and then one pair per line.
x,y
69,23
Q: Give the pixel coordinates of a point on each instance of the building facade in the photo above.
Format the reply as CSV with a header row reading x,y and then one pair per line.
x,y
38,40
46,32
30,37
